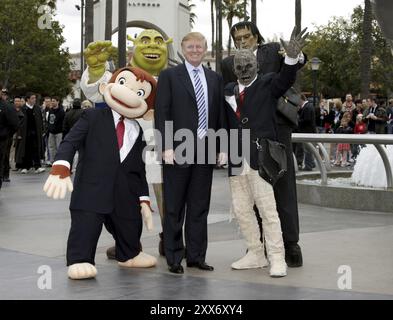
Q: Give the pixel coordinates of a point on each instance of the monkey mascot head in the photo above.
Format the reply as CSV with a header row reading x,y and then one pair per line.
x,y
130,92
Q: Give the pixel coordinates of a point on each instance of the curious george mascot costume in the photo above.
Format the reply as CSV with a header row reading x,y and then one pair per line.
x,y
110,185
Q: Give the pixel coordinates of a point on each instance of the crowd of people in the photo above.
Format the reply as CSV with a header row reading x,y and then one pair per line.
x,y
332,116
31,133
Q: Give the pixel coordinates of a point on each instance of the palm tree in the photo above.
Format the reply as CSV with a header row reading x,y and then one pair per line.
x,y
212,21
365,52
298,16
254,11
89,22
232,9
192,14
218,5
108,20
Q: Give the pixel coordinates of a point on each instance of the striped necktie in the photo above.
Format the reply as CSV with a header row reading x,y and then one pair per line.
x,y
201,104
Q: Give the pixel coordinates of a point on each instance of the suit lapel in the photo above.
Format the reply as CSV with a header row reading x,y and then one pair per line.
x,y
108,129
210,86
186,81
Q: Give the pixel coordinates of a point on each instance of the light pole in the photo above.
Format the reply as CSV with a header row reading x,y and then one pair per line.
x,y
81,8
315,62
122,35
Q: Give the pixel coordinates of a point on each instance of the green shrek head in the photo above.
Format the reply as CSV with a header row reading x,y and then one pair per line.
x,y
150,51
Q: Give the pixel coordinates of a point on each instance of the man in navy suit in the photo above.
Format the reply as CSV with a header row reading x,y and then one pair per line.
x,y
191,97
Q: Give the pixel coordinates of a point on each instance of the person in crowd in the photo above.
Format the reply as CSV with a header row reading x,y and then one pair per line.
x,y
55,127
5,174
16,137
86,104
306,125
376,117
389,113
8,125
343,148
30,149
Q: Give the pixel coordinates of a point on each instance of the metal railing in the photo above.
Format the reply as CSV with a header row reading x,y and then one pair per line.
x,y
378,140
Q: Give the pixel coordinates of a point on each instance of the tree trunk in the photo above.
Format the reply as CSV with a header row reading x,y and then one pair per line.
x,y
122,35
108,20
298,16
254,11
218,35
365,54
212,21
89,22
229,19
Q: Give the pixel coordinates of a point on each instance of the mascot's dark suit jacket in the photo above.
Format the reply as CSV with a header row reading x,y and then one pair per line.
x,y
105,189
270,60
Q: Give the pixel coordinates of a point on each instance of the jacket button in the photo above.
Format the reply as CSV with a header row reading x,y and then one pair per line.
x,y
244,120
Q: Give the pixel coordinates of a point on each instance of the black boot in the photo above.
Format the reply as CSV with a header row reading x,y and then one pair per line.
x,y
161,245
293,255
111,252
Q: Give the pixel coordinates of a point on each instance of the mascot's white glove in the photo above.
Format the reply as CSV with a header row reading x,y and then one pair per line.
x,y
58,182
146,212
222,159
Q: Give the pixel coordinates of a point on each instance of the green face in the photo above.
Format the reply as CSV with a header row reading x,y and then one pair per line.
x,y
151,52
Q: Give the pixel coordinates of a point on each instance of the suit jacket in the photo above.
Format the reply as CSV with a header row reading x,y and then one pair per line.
x,y
102,183
258,113
269,60
307,119
175,101
23,133
8,120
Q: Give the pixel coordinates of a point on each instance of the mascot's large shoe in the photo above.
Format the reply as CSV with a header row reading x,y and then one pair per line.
x,y
79,271
252,260
142,260
278,267
293,255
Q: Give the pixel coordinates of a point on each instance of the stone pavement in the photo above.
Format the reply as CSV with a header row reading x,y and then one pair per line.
x,y
34,229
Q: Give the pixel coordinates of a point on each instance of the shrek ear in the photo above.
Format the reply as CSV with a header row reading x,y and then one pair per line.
x,y
102,88
130,38
149,115
170,40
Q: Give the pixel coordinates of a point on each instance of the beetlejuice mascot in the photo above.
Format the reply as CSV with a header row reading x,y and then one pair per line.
x,y
150,54
110,184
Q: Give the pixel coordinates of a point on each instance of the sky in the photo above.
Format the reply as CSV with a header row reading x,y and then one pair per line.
x,y
276,18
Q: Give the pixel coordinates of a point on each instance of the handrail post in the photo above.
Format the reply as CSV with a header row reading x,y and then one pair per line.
x,y
386,163
321,166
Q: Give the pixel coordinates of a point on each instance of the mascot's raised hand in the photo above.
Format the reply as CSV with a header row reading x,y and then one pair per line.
x,y
296,43
58,182
97,54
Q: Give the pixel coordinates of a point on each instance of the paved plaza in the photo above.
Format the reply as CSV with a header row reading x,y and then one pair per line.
x,y
336,243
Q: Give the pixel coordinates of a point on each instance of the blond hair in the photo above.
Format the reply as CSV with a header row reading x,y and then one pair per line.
x,y
86,104
194,36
